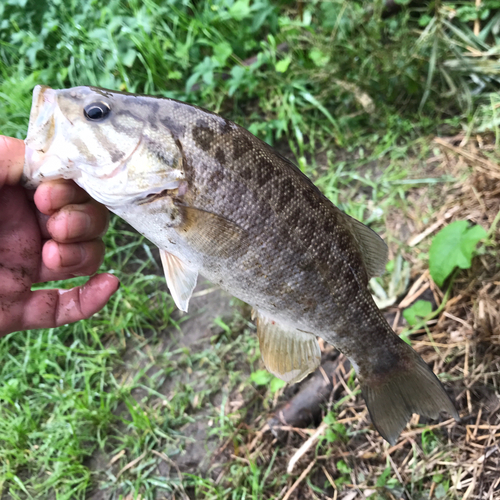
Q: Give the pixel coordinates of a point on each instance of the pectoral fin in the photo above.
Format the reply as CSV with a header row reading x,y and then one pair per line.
x,y
210,233
289,354
181,279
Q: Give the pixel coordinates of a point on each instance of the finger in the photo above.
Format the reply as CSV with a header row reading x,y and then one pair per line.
x,y
52,308
62,261
11,160
42,223
51,196
75,223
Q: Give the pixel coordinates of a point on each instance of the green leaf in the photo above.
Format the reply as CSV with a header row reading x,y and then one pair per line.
x,y
261,377
318,57
221,52
237,75
310,98
420,309
282,66
276,384
467,13
382,480
174,75
191,81
453,247
240,9
440,491
330,418
260,17
129,58
330,436
343,467
424,20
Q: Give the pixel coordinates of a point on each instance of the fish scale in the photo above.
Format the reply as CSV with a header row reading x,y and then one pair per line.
x,y
219,202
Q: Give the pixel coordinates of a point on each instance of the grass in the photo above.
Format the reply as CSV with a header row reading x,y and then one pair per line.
x,y
124,405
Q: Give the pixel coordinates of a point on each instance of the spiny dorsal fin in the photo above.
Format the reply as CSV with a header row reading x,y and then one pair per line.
x,y
181,279
373,248
289,354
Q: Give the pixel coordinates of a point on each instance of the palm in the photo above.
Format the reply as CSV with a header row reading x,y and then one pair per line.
x,y
20,252
24,260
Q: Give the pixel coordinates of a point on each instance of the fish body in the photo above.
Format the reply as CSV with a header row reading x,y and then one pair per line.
x,y
219,202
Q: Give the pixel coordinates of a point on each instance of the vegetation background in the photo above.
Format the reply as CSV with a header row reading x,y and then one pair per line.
x,y
127,405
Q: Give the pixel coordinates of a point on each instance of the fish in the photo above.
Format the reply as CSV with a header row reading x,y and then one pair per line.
x,y
220,203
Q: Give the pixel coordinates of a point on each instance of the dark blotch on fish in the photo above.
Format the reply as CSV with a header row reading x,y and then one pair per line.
x,y
241,145
177,129
286,194
311,197
264,172
220,156
204,137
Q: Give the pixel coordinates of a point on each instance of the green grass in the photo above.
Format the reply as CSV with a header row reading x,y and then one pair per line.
x,y
99,388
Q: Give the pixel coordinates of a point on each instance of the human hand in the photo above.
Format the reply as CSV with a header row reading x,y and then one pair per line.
x,y
58,241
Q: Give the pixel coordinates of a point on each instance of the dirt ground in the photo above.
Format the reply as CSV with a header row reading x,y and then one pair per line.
x,y
194,333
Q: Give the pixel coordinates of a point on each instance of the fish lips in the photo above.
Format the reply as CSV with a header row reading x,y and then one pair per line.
x,y
42,157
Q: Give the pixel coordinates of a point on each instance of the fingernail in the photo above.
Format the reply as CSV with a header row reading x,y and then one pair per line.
x,y
51,253
71,255
80,225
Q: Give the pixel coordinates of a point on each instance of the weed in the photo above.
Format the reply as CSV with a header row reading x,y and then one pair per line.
x,y
453,247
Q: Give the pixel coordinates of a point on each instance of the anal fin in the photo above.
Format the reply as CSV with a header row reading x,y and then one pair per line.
x,y
181,279
288,353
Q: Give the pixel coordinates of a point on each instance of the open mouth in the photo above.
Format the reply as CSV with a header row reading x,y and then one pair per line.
x,y
41,133
41,128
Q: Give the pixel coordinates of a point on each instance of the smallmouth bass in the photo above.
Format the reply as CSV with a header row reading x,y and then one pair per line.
x,y
219,202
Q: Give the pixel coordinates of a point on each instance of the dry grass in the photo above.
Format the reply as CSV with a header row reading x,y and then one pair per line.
x,y
445,459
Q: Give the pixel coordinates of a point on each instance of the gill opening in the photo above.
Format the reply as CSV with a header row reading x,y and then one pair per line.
x,y
172,189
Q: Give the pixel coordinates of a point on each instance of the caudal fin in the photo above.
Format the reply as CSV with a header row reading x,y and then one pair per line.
x,y
414,389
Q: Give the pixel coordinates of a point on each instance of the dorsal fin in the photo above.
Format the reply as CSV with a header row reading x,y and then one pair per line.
x,y
373,249
288,353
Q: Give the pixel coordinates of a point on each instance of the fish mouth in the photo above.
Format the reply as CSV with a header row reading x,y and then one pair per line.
x,y
45,119
42,117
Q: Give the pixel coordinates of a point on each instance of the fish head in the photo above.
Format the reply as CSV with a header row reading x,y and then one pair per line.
x,y
100,139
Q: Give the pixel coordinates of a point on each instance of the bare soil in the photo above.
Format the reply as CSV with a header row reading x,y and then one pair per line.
x,y
194,333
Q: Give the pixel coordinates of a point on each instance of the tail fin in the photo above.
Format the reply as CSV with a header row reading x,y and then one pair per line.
x,y
414,389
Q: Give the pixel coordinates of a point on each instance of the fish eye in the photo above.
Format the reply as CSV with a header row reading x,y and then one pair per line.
x,y
96,111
